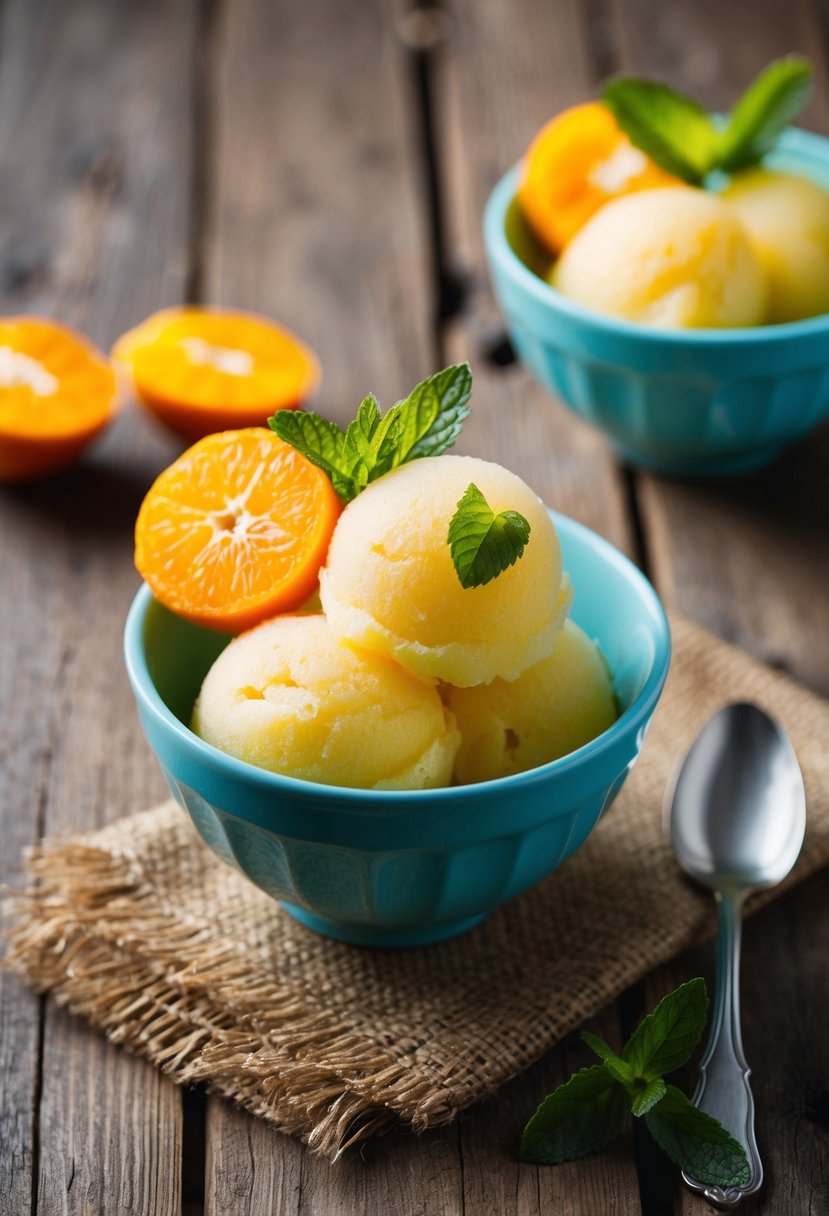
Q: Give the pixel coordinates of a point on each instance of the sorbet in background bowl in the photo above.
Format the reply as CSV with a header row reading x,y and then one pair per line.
x,y
391,867
696,402
675,257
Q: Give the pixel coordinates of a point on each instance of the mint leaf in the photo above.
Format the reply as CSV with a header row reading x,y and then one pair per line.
x,y
665,1039
768,105
312,435
425,423
482,543
614,1064
695,1142
579,1117
648,1093
320,441
670,127
433,413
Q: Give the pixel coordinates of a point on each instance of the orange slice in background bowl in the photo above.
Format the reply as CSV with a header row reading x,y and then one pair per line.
x,y
235,530
202,370
578,162
57,392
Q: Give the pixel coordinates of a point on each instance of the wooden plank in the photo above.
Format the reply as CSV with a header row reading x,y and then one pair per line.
x,y
495,1181
498,87
251,1169
94,163
749,559
313,219
313,212
27,739
418,1175
249,1166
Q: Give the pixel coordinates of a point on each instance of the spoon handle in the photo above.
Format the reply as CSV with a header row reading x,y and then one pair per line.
x,y
723,1089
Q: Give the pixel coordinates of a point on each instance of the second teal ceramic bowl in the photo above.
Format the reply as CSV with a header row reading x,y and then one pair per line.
x,y
702,403
411,868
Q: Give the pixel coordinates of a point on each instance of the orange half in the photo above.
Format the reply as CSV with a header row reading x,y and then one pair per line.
x,y
57,392
202,370
578,162
236,530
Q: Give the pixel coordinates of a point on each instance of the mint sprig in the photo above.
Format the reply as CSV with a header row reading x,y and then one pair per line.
x,y
425,423
681,137
482,543
585,1113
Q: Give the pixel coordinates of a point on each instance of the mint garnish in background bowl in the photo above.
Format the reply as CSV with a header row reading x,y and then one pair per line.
x,y
684,139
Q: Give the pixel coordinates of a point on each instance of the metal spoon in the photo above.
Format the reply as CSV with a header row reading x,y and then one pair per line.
x,y
737,815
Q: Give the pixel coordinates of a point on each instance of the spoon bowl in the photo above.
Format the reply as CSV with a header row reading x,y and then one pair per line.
x,y
737,810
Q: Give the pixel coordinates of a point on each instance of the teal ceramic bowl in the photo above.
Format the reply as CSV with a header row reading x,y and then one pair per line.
x,y
700,403
411,868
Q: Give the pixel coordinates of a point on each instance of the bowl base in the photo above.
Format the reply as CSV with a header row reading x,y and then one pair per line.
x,y
391,939
704,469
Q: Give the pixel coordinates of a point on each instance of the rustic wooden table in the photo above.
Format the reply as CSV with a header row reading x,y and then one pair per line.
x,y
326,163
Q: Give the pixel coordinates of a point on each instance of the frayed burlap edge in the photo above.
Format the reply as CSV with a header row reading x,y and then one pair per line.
x,y
72,936
83,932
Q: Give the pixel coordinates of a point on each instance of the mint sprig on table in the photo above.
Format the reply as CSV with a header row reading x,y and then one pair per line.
x,y
684,139
425,423
588,1111
482,543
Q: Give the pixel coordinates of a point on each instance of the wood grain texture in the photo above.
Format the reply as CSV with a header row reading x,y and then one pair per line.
x,y
497,88
312,213
249,1166
495,1181
421,1176
28,733
94,171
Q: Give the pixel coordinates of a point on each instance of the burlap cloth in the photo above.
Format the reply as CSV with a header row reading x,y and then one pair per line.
x,y
142,930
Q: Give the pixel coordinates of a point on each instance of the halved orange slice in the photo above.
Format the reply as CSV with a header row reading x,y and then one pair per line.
x,y
202,370
57,391
577,162
235,530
